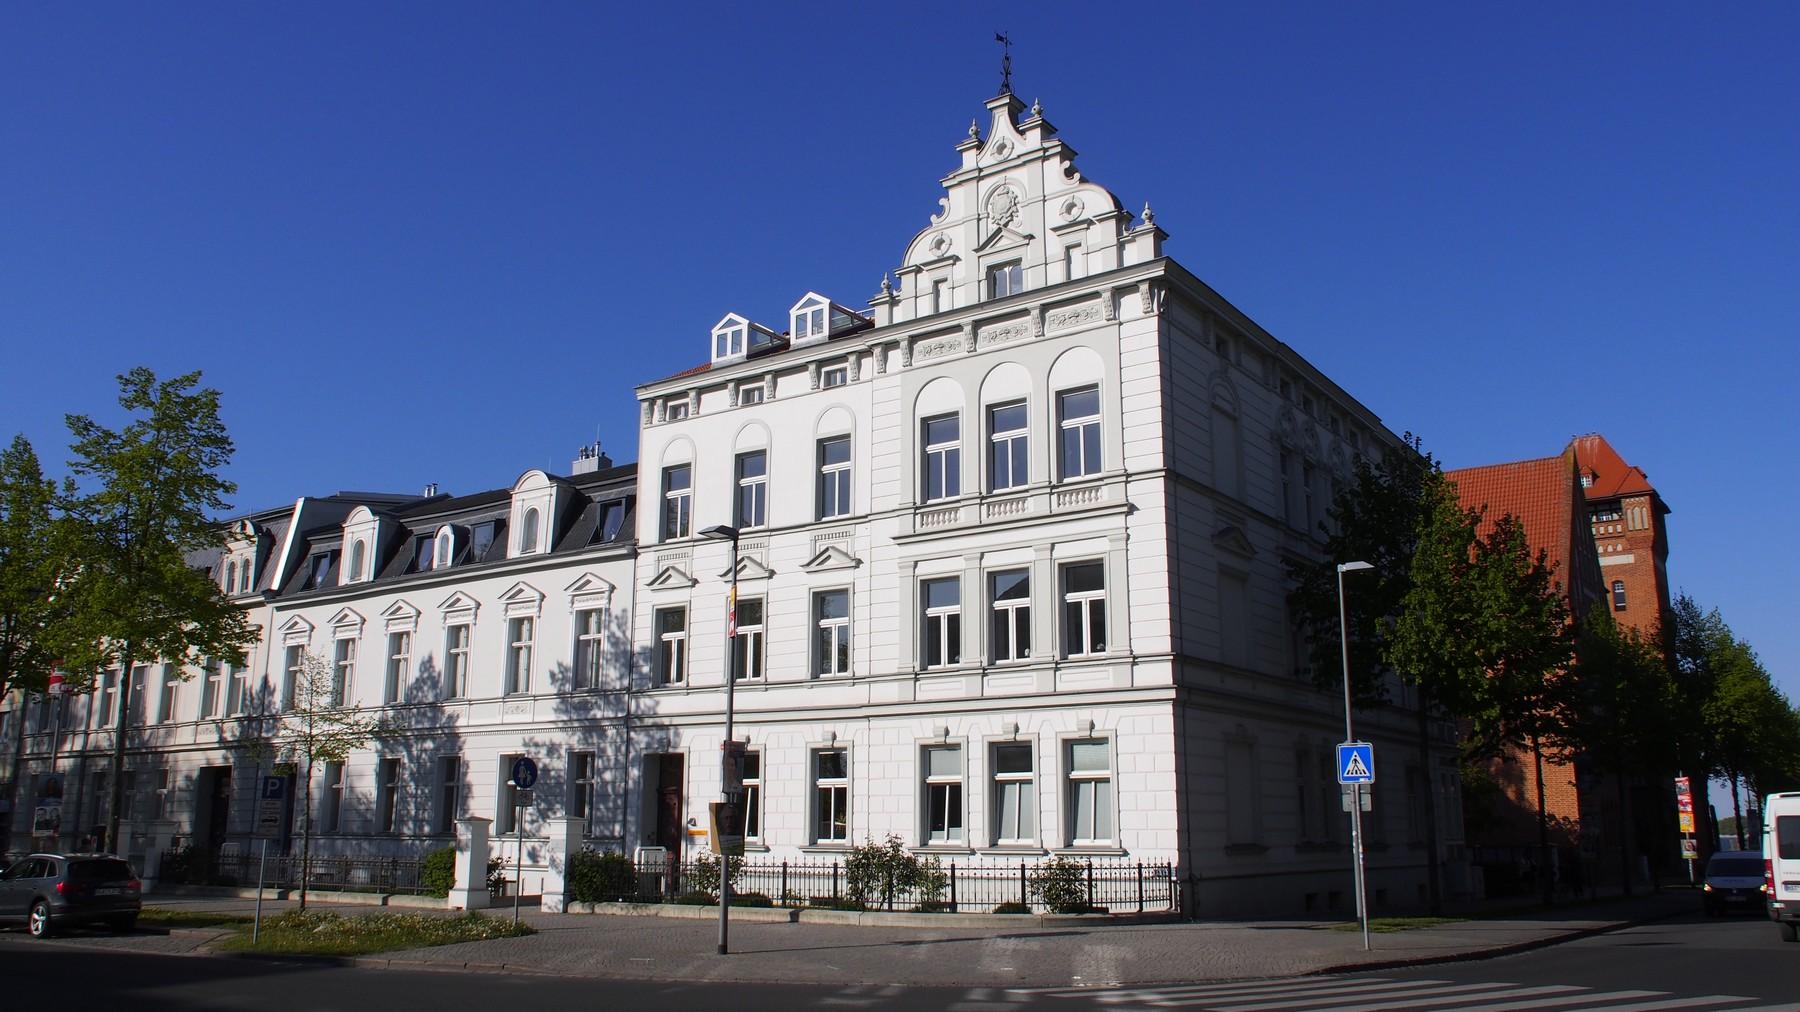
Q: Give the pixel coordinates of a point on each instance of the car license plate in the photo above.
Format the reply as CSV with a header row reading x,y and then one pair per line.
x,y
108,891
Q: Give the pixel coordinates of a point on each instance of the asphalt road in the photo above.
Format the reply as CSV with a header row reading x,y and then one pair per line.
x,y
1687,963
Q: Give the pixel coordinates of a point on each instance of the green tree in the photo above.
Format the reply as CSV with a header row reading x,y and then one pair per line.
x,y
153,492
318,725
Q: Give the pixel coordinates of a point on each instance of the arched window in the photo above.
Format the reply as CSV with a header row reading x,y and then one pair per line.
x,y
231,578
528,532
244,577
441,558
356,560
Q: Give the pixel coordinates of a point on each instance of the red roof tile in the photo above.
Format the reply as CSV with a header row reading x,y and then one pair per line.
x,y
1543,494
1612,476
695,371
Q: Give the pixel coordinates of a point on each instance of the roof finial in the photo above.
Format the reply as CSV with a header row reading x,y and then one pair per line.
x,y
1037,107
887,287
1005,62
1149,215
974,130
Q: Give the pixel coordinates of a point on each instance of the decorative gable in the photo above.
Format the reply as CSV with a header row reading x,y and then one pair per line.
x,y
1231,538
829,558
347,623
671,577
400,617
459,608
295,632
522,600
589,591
748,569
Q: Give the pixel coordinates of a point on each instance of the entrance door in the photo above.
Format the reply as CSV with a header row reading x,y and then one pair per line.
x,y
669,830
214,814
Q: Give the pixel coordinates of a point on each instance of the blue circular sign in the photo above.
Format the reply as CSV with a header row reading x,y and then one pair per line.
x,y
524,773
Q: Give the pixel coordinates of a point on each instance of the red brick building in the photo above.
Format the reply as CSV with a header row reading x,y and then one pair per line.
x,y
1626,516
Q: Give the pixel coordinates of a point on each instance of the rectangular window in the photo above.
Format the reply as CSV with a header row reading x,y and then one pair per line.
x,y
1618,595
1084,609
135,705
752,394
671,646
941,621
590,644
1787,837
831,616
166,700
833,376
449,794
678,501
343,672
1009,447
612,517
753,794
159,795
331,803
290,675
318,568
506,801
456,662
519,634
1010,594
387,793
1090,792
482,538
399,665
943,793
106,702
1015,795
581,790
831,796
1078,421
753,489
940,295
424,553
1005,279
677,410
1073,262
213,686
834,477
747,645
943,457
237,689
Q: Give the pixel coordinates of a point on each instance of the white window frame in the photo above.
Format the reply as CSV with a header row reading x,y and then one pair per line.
x,y
237,690
168,696
521,636
677,408
1078,637
1024,786
399,665
1006,622
834,376
359,557
751,393
1078,781
748,646
331,798
212,688
459,641
1074,262
529,522
1077,427
1011,445
835,477
941,460
583,769
835,630
941,299
590,649
671,646
1013,274
833,806
506,798
810,319
753,795
728,340
343,670
756,487
940,624
449,794
680,500
446,545
388,781
942,794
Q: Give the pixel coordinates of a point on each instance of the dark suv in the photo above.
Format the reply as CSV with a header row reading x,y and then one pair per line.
x,y
47,891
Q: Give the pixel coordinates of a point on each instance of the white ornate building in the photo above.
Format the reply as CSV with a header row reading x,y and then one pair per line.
x,y
1011,576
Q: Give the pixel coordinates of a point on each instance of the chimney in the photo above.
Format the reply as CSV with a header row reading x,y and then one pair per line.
x,y
588,459
430,490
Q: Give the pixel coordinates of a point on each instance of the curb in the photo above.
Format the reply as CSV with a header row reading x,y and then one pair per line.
x,y
870,918
1510,949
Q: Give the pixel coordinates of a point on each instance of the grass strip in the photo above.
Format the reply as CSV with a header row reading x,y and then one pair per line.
x,y
163,917
327,933
1389,925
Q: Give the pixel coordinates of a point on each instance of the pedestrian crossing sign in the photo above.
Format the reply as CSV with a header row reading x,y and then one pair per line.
x,y
1356,762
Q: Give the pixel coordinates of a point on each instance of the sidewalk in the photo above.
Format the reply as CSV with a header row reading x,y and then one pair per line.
x,y
646,948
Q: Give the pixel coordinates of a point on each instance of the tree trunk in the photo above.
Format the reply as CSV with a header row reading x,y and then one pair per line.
x,y
117,784
1545,882
1434,888
1737,810
305,833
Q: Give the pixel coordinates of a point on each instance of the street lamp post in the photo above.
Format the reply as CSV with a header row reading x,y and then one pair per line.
x,y
1356,840
723,532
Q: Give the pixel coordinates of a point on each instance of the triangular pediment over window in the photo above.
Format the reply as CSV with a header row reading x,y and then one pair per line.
x,y
1231,538
459,604
671,576
521,599
1003,239
589,583
749,569
400,617
295,629
831,557
346,618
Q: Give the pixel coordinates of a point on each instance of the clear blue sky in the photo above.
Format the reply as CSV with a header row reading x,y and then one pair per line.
x,y
441,242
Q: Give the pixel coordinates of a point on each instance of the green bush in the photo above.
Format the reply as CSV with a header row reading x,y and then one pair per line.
x,y
1012,908
330,933
496,875
835,903
437,872
874,869
705,876
695,899
601,878
932,882
751,900
1061,883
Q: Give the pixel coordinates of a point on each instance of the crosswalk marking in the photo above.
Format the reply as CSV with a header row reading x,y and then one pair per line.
x,y
1384,994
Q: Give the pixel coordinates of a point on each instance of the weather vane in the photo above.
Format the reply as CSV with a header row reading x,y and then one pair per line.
x,y
1005,62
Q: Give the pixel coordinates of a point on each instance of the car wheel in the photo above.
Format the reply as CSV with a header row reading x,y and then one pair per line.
x,y
122,923
39,921
1790,932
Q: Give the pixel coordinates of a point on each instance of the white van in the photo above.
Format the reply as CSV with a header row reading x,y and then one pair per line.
x,y
1781,861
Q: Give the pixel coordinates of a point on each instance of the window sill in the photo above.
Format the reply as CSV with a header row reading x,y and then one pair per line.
x,y
1089,850
826,848
1011,850
943,848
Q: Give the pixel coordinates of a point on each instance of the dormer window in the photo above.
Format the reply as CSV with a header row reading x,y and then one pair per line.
x,y
441,557
809,318
231,578
728,337
528,532
357,553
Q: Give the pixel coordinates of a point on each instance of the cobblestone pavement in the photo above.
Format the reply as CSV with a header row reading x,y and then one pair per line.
x,y
653,948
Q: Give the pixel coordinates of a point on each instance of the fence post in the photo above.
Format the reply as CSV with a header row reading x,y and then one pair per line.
x,y
1090,883
953,885
834,882
1140,870
1024,897
887,888
783,898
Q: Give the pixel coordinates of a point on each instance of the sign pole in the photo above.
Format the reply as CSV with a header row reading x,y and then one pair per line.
x,y
524,777
1362,902
727,756
262,873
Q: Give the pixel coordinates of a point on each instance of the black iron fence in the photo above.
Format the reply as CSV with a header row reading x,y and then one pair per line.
x,y
1065,885
232,867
